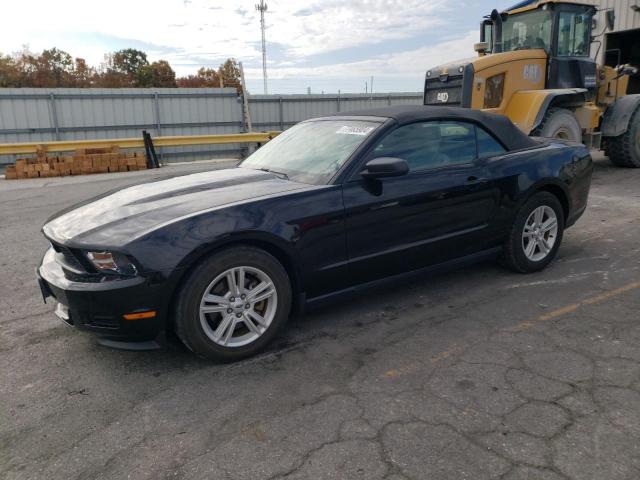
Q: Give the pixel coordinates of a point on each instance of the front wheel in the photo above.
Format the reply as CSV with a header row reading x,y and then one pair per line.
x,y
233,304
535,235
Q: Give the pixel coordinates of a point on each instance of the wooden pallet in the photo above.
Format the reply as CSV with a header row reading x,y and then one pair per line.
x,y
82,162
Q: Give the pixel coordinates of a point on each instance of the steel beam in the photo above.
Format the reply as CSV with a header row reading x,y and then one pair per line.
x,y
171,141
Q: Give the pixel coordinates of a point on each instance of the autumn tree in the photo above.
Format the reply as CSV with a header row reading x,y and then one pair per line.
x,y
52,68
9,74
210,77
129,61
55,65
230,73
156,74
125,68
109,78
83,74
206,77
190,81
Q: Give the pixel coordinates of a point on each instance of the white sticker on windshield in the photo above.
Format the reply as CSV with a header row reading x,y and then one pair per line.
x,y
352,130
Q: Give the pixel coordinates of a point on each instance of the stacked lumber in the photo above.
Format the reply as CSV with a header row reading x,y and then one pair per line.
x,y
82,162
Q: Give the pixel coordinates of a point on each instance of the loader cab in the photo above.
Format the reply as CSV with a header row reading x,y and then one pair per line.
x,y
562,30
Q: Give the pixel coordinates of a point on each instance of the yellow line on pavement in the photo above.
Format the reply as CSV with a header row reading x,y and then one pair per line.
x,y
611,293
525,325
559,312
575,306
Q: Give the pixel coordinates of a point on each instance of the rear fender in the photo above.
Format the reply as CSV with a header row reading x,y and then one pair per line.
x,y
617,116
550,184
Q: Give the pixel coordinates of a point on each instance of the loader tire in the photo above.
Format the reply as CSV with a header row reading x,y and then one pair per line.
x,y
560,123
624,150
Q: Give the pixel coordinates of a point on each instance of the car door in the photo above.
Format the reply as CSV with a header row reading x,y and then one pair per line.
x,y
437,212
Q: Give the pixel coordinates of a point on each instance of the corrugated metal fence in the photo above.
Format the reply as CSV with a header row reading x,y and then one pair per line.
x,y
278,112
33,114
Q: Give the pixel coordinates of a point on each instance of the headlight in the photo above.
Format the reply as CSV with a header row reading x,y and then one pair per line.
x,y
112,262
493,91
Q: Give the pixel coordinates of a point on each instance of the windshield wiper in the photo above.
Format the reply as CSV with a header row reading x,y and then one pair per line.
x,y
282,174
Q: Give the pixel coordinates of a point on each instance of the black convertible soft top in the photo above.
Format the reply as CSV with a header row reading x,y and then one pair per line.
x,y
499,125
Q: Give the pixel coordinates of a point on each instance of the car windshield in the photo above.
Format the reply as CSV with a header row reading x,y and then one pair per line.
x,y
311,152
527,31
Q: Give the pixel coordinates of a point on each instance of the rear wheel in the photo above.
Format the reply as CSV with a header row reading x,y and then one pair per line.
x,y
233,304
560,123
536,234
624,150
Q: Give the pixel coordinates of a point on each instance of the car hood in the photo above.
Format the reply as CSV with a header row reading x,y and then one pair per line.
x,y
120,216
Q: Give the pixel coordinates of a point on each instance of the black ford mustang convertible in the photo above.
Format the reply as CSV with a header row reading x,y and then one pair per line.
x,y
331,205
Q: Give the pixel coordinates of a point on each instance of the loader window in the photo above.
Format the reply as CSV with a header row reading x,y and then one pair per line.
x,y
488,35
526,31
574,34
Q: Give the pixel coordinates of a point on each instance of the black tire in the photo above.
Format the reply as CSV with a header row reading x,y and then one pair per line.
x,y
624,150
560,123
513,253
187,308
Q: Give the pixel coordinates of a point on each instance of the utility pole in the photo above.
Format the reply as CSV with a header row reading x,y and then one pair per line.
x,y
245,101
262,7
246,113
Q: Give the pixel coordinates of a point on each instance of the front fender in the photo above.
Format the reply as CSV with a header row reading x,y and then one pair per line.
x,y
618,115
527,108
177,245
268,241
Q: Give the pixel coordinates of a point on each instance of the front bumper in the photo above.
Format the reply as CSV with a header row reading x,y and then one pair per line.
x,y
99,307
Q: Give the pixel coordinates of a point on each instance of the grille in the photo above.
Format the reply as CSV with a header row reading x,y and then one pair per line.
x,y
447,92
103,321
68,259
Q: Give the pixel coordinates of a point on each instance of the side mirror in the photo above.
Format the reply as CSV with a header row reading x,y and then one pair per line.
x,y
385,167
611,19
481,47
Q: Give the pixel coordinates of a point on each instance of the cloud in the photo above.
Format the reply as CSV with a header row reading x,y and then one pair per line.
x,y
229,30
329,25
218,32
310,39
400,64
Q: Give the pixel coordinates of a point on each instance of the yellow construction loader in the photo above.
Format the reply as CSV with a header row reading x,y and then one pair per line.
x,y
535,65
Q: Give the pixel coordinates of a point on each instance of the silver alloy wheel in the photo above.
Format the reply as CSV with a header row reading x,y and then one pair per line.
x,y
540,233
238,306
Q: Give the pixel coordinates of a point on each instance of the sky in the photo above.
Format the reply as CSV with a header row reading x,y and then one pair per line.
x,y
325,45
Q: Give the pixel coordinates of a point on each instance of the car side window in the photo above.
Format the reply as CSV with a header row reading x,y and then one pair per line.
x,y
426,145
487,145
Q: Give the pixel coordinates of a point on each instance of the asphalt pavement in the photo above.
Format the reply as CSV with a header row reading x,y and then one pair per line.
x,y
475,374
